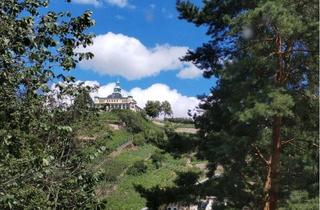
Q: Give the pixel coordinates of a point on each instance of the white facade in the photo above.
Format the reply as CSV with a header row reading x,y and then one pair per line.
x,y
203,204
116,101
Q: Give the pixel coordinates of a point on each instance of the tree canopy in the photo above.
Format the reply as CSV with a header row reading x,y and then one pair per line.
x,y
39,163
261,119
153,108
166,108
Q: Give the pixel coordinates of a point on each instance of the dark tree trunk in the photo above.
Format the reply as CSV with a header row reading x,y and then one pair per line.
x,y
271,186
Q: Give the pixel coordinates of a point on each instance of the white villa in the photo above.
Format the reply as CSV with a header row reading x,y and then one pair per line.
x,y
116,101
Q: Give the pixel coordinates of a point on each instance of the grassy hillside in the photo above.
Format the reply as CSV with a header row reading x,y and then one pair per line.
x,y
135,156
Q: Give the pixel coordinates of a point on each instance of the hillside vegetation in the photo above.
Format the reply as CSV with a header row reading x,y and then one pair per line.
x,y
138,158
253,141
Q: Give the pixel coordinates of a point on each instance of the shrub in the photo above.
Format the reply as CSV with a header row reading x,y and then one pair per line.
x,y
138,168
157,137
182,143
134,121
157,158
138,139
169,128
186,179
112,170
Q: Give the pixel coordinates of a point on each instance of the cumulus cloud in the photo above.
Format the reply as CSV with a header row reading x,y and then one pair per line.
x,y
121,55
93,2
120,3
180,103
190,72
56,99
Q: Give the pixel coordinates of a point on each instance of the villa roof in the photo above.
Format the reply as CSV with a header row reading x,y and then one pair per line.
x,y
116,93
116,96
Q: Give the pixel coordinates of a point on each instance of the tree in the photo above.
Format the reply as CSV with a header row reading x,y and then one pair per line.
x,y
261,120
40,166
83,105
153,108
166,108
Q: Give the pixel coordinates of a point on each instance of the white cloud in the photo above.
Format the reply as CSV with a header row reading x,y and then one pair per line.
x,y
88,83
104,90
93,2
120,3
180,103
119,17
190,72
56,99
120,55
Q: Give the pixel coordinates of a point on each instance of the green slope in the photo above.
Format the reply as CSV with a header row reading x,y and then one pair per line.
x,y
118,187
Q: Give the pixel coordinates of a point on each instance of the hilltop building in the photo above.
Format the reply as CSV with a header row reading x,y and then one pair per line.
x,y
116,101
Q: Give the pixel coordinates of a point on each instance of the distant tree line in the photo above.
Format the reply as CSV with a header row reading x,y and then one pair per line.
x,y
180,120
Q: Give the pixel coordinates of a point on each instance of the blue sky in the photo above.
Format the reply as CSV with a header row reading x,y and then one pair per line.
x,y
139,42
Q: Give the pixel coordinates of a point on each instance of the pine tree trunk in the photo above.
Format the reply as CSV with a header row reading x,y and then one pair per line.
x,y
271,186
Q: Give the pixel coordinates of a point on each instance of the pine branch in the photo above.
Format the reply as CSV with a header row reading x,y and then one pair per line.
x,y
287,141
259,153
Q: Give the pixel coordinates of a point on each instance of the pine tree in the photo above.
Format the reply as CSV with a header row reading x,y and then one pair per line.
x,y
261,119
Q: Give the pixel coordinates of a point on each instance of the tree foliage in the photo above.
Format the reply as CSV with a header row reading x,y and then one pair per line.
x,y
166,108
83,105
39,164
153,108
134,121
261,119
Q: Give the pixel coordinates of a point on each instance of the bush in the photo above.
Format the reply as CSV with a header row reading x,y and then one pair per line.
x,y
169,128
157,158
134,122
138,168
186,179
300,200
182,143
157,137
113,170
138,139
